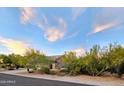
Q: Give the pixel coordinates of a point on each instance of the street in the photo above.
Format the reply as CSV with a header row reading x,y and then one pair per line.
x,y
13,80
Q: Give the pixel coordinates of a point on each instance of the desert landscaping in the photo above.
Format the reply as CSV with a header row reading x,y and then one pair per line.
x,y
95,67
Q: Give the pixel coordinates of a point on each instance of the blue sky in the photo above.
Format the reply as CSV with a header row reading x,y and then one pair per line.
x,y
56,30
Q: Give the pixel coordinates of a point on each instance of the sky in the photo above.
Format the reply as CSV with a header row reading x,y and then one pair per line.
x,y
56,30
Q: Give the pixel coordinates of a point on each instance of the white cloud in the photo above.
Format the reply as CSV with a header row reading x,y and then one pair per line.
x,y
107,18
42,22
30,15
53,34
103,27
79,52
62,23
76,12
27,14
73,34
14,46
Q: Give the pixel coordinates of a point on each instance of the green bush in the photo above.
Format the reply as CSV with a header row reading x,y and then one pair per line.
x,y
65,70
116,58
45,70
70,61
73,69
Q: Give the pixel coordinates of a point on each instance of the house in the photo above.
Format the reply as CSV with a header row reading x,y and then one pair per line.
x,y
57,62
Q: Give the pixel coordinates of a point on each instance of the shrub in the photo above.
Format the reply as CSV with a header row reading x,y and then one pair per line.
x,y
30,68
37,61
63,70
116,57
45,70
92,61
73,69
120,70
54,71
70,61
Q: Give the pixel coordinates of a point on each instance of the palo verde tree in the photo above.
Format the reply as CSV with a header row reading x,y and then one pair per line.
x,y
70,60
6,61
35,59
116,57
16,60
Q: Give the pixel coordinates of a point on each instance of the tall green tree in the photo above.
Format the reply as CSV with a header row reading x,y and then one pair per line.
x,y
6,61
35,59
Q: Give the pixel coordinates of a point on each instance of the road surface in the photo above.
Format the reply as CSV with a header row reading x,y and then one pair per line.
x,y
13,80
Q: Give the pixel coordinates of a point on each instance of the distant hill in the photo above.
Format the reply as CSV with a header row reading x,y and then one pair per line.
x,y
54,57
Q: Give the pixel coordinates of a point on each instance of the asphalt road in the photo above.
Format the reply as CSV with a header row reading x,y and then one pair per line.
x,y
13,80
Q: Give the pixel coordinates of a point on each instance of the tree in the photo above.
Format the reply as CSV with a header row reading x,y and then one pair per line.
x,y
16,60
71,63
116,56
93,66
97,61
7,62
35,59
